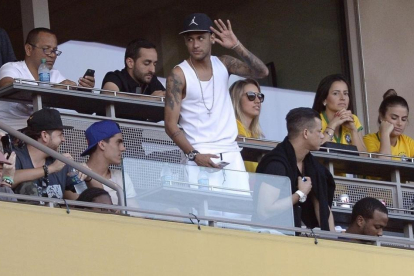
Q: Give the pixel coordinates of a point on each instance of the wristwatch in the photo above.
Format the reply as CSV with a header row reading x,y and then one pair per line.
x,y
302,196
192,155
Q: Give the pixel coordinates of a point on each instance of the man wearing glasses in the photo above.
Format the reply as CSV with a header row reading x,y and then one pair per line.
x,y
40,43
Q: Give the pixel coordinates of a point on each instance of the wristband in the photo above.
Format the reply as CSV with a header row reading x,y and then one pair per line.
x,y
8,180
235,46
331,128
46,170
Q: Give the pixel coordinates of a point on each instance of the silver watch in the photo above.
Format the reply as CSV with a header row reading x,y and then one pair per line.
x,y
302,196
192,155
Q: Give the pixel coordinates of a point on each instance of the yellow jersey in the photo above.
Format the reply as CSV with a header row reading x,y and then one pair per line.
x,y
242,131
345,134
404,146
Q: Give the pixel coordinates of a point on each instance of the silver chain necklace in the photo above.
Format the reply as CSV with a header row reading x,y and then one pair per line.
x,y
201,88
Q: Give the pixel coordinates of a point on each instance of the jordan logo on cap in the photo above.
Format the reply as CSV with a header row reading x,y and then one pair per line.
x,y
193,22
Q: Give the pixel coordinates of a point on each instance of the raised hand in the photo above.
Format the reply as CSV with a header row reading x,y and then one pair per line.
x,y
224,35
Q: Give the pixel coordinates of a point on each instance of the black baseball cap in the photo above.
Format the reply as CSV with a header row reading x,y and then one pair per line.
x,y
197,22
45,119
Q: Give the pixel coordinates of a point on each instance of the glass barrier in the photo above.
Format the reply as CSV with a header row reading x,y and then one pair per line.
x,y
215,193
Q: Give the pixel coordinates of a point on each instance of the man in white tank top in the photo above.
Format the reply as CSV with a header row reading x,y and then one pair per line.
x,y
197,95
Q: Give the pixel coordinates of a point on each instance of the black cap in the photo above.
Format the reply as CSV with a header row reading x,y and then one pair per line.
x,y
45,119
197,22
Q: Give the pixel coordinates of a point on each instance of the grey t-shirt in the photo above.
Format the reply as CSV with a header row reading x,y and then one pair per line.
x,y
58,182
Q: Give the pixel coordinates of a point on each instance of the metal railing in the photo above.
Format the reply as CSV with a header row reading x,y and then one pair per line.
x,y
65,160
75,87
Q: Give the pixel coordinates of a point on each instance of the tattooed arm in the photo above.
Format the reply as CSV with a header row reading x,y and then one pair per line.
x,y
173,97
252,65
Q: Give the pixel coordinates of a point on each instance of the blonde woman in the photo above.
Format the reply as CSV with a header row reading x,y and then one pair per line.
x,y
247,101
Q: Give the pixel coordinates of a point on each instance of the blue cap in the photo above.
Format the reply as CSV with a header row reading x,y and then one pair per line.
x,y
100,131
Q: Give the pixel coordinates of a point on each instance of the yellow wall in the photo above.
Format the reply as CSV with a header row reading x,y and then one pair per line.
x,y
40,240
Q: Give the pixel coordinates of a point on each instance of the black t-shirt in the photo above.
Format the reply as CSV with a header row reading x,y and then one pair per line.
x,y
58,182
126,83
277,168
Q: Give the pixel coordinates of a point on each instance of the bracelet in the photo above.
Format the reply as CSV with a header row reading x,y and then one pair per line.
x,y
331,136
331,128
237,44
8,180
88,179
46,170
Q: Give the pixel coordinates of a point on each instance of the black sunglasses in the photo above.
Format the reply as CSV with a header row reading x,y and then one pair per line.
x,y
252,96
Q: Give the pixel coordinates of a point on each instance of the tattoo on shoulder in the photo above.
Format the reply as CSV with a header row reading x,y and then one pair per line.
x,y
174,90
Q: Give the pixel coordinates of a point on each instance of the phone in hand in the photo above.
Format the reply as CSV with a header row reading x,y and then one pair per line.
x,y
222,164
91,73
7,145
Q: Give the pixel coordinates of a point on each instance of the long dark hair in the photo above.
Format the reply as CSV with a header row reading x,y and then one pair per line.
x,y
323,91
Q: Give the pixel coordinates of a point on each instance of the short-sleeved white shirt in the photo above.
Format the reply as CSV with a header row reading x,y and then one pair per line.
x,y
19,70
116,176
16,114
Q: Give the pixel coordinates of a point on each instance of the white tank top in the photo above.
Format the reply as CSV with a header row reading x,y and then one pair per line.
x,y
217,132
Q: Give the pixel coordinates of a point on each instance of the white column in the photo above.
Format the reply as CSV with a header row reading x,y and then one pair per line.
x,y
35,13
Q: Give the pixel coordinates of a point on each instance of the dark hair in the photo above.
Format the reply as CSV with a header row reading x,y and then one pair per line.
x,y
323,91
132,50
366,207
300,118
35,135
32,35
91,193
92,150
391,99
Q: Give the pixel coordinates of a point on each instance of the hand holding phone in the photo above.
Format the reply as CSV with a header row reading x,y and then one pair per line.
x,y
86,82
7,145
222,164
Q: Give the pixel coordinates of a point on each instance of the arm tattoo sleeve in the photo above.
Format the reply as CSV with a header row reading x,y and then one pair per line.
x,y
174,90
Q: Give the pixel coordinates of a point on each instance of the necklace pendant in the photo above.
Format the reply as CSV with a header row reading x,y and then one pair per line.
x,y
209,113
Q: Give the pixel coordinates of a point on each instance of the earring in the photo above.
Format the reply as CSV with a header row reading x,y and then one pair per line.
x,y
324,103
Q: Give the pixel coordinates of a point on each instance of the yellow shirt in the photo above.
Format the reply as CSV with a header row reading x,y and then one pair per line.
x,y
250,166
345,134
404,146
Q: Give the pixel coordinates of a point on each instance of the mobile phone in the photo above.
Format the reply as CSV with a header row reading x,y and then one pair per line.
x,y
90,73
222,164
7,145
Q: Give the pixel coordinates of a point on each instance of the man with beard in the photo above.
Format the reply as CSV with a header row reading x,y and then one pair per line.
x,y
36,172
138,76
